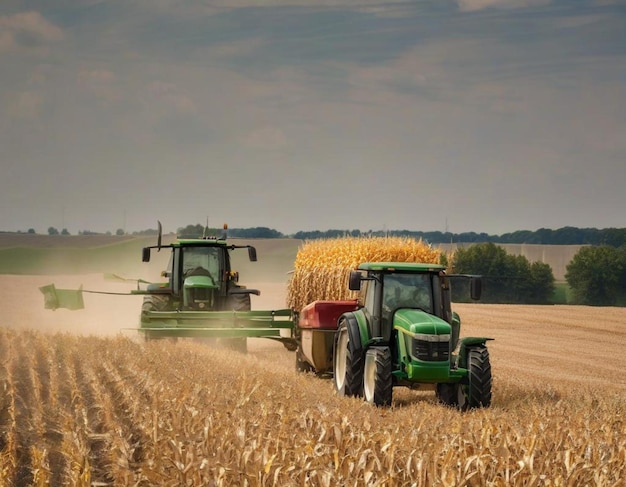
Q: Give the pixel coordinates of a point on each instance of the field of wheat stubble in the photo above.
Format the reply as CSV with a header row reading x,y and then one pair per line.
x,y
84,402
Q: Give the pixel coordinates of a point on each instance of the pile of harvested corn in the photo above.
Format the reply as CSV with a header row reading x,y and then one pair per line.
x,y
322,267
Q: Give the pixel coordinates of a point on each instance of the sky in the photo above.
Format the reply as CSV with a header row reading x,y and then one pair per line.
x,y
452,115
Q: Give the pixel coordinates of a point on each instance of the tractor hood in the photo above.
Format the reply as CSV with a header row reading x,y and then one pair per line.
x,y
417,322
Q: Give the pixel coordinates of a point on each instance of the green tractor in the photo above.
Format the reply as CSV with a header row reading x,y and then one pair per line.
x,y
202,297
401,332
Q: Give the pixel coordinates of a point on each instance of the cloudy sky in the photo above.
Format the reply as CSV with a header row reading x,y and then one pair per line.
x,y
466,115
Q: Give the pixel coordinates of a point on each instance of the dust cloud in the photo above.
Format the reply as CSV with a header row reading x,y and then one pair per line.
x,y
22,304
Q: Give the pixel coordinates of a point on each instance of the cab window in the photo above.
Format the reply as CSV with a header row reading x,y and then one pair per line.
x,y
407,291
197,259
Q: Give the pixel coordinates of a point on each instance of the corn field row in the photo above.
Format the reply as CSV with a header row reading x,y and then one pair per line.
x,y
112,411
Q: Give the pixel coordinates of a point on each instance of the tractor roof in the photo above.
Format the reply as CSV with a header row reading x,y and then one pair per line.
x,y
199,242
401,267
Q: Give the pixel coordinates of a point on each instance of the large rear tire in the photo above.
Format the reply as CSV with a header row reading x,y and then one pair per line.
x,y
347,364
377,381
477,392
155,302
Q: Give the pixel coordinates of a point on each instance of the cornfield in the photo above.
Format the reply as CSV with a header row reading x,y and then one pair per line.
x,y
80,409
322,267
113,411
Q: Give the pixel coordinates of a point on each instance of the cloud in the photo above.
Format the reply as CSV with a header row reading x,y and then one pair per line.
x,y
26,105
185,8
473,5
268,137
27,31
169,95
99,82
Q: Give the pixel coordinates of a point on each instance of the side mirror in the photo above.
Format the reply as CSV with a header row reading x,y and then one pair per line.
x,y
145,255
355,281
252,254
476,287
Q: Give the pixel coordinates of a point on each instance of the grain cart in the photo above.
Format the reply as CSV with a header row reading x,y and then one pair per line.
x,y
200,299
401,332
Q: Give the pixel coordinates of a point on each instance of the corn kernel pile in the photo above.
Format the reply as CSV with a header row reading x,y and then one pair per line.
x,y
322,267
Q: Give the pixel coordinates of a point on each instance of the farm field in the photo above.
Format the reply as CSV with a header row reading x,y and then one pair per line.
x,y
85,402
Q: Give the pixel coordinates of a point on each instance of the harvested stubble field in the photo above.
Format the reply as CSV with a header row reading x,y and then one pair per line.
x,y
85,403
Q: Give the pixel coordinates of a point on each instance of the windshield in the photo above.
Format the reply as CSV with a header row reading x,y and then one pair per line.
x,y
199,260
407,291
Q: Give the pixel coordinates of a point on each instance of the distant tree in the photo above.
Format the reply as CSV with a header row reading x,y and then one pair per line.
x,y
507,278
149,231
615,237
309,235
563,236
256,232
196,231
622,283
65,232
119,232
542,280
52,231
31,231
596,275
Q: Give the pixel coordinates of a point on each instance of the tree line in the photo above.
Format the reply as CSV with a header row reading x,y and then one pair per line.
x,y
506,278
615,237
544,236
596,276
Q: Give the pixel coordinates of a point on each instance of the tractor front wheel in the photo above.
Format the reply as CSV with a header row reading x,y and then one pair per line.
x,y
347,364
477,393
377,382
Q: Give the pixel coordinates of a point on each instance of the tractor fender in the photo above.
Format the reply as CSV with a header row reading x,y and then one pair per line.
x,y
354,332
467,343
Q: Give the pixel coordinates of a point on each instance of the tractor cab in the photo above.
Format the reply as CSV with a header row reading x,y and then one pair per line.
x,y
391,290
198,274
200,277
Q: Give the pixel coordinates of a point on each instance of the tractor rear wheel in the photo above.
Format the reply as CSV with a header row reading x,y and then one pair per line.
x,y
155,302
377,382
347,364
477,393
237,302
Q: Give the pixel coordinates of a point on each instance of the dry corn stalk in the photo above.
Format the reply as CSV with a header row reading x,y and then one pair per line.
x,y
322,267
188,414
